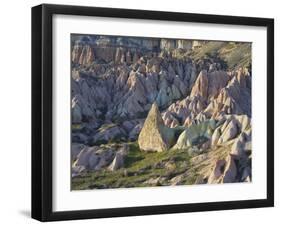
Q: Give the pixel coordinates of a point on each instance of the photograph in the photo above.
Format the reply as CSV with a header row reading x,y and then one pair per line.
x,y
146,112
154,111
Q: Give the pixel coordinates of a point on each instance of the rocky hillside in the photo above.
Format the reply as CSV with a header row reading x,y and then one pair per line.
x,y
190,101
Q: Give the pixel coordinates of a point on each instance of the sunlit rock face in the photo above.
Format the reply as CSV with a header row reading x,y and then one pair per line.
x,y
155,136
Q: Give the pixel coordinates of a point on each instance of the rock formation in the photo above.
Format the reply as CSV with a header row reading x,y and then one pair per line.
x,y
155,136
162,95
95,158
196,134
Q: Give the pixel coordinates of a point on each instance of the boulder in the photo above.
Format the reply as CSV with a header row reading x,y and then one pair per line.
x,y
155,136
87,158
118,161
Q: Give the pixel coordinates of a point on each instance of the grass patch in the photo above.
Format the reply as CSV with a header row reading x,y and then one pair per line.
x,y
139,167
106,127
208,49
233,53
239,56
76,126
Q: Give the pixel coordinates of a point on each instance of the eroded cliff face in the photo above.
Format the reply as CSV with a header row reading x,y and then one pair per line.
x,y
200,90
121,79
121,50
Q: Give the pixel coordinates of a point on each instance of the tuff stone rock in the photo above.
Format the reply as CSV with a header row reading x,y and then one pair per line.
x,y
155,136
116,80
76,148
109,132
97,158
118,161
224,171
200,87
229,132
195,135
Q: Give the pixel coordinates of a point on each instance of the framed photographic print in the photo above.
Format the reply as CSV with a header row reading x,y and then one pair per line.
x,y
147,112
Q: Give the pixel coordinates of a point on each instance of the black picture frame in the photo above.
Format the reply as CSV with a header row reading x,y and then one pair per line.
x,y
42,107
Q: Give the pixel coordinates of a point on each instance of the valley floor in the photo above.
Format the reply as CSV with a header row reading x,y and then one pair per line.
x,y
144,169
141,169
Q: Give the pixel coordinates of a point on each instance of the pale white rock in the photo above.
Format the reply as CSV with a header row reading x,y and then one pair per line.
x,y
194,133
229,132
153,181
118,161
87,55
87,158
215,137
177,180
170,120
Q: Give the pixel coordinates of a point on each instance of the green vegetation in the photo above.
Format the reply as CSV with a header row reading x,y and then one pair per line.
x,y
139,168
210,49
233,53
238,56
76,126
106,126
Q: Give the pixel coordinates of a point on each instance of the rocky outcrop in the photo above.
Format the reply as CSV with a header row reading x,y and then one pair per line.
x,y
213,95
195,135
200,87
118,161
228,159
110,157
124,93
118,85
208,85
155,136
224,171
231,127
82,54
